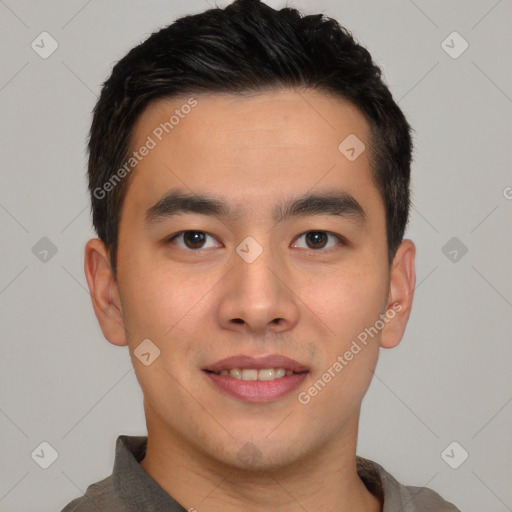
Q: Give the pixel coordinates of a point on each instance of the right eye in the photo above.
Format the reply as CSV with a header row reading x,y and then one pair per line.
x,y
193,240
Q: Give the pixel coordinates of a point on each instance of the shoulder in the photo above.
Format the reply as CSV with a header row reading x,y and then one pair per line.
x,y
396,496
96,497
423,499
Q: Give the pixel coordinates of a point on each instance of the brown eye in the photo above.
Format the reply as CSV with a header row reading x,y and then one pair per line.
x,y
316,239
319,239
194,239
191,239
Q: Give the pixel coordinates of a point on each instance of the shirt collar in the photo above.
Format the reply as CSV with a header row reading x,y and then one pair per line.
x,y
133,483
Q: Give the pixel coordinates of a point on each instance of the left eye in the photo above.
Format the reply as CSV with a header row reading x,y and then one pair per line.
x,y
318,239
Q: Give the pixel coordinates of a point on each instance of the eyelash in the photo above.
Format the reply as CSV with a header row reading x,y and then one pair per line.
x,y
341,239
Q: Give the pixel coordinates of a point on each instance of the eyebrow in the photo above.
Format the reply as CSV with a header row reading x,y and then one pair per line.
x,y
336,203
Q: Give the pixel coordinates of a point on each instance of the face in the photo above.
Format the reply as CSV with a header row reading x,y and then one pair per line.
x,y
260,277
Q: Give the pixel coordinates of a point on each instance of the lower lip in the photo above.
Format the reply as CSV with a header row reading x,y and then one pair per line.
x,y
257,391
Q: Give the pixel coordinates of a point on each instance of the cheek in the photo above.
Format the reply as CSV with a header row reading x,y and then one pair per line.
x,y
154,300
347,299
348,302
168,306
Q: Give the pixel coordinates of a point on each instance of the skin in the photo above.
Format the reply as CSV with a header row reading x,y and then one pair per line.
x,y
253,152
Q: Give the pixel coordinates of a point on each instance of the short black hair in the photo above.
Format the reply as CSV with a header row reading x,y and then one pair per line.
x,y
246,47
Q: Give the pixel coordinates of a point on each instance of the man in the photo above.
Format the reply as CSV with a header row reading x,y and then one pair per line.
x,y
249,177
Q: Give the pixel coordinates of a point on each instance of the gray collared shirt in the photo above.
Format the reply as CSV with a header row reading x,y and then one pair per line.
x,y
130,489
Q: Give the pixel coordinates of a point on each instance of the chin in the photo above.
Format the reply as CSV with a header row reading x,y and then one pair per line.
x,y
259,455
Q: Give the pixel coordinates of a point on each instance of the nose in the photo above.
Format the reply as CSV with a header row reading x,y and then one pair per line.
x,y
258,297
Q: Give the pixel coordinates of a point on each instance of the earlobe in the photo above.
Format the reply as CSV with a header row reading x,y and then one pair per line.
x,y
400,296
104,292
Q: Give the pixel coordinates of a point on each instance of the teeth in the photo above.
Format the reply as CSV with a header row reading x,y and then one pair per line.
x,y
250,374
253,374
236,373
267,374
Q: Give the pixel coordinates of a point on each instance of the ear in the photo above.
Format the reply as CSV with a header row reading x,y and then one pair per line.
x,y
402,281
104,292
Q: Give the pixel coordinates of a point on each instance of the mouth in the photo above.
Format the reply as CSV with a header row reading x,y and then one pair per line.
x,y
265,374
257,380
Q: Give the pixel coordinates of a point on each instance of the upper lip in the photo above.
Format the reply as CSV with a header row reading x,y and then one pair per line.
x,y
257,363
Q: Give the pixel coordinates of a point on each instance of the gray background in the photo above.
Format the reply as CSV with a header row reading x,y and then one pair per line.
x,y
449,380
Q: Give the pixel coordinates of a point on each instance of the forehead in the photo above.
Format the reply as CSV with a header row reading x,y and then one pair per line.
x,y
304,118
249,147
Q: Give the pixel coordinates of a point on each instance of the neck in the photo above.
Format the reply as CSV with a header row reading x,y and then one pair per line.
x,y
325,480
